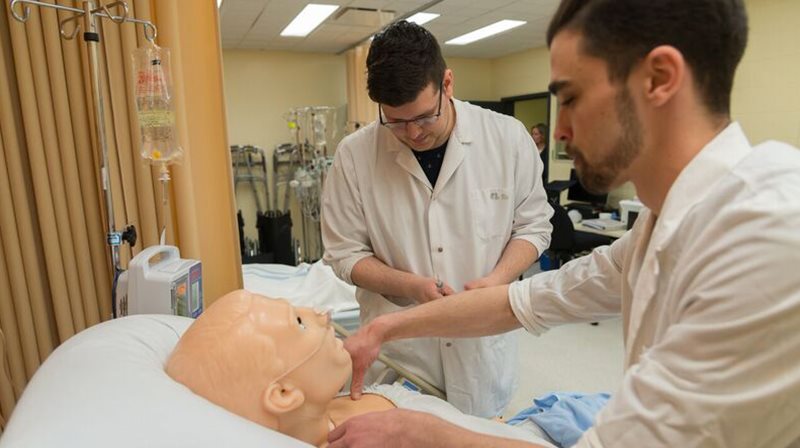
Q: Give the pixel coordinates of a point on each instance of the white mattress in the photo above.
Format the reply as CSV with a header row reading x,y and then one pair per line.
x,y
309,285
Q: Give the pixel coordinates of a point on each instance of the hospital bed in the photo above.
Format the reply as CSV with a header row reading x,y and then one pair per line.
x,y
309,285
106,386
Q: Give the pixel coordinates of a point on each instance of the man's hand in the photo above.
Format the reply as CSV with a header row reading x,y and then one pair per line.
x,y
426,289
363,347
483,282
403,428
394,428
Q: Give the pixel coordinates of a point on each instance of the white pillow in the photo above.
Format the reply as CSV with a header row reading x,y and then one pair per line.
x,y
106,386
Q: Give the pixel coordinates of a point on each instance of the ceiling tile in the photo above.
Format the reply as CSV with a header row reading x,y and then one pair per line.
x,y
458,17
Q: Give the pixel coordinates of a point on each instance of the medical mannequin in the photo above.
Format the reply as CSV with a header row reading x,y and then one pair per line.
x,y
271,363
281,367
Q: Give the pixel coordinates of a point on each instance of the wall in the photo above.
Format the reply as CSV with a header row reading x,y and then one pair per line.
x,y
521,73
260,86
472,79
766,91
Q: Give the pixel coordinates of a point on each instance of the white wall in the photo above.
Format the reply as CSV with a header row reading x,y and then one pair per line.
x,y
261,86
766,91
472,78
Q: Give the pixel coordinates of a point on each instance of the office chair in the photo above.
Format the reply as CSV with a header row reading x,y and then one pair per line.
x,y
566,242
554,189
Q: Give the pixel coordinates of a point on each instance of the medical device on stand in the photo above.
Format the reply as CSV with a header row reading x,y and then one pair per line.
x,y
70,26
312,128
158,281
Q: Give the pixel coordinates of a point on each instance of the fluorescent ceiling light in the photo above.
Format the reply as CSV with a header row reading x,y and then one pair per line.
x,y
483,33
308,19
421,18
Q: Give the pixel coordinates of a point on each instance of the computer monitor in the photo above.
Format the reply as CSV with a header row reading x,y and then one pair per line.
x,y
579,194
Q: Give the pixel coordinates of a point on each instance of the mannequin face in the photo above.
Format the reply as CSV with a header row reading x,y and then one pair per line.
x,y
261,358
315,360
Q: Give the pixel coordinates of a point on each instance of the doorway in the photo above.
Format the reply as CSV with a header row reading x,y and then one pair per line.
x,y
533,109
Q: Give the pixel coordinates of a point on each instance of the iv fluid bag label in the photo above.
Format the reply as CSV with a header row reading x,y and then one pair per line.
x,y
156,118
151,83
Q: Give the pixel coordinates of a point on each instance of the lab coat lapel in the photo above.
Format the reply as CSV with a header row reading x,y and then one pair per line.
x,y
456,151
403,156
452,159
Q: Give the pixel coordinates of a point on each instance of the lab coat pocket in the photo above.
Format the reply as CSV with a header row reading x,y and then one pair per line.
x,y
491,208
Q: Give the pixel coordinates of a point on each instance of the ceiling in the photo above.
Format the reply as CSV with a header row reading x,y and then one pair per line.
x,y
256,24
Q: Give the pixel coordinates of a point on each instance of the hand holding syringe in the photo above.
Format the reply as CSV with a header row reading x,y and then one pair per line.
x,y
426,289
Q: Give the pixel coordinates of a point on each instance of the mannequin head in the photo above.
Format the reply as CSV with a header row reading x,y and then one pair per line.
x,y
263,359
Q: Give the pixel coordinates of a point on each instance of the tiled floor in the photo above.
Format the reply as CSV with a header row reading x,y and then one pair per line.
x,y
575,358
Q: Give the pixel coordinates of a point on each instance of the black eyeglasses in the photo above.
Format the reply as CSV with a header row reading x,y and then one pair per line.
x,y
421,121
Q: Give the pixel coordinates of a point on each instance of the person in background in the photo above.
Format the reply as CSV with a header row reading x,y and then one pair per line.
x,y
706,280
540,136
436,196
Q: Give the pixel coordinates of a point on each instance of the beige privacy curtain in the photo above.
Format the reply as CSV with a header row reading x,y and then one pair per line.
x,y
55,274
360,109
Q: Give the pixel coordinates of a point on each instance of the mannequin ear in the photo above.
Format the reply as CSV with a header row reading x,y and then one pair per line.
x,y
280,398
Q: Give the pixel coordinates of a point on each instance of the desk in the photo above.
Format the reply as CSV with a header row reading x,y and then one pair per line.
x,y
609,233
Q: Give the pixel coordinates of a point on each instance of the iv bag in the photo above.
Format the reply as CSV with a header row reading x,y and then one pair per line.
x,y
154,107
320,128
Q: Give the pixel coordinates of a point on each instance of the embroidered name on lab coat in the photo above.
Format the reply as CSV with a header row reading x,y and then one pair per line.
x,y
498,196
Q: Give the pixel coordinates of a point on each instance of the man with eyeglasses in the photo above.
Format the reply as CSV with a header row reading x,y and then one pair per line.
x,y
437,196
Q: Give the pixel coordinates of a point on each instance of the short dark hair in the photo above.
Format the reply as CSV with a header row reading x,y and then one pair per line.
x,y
403,59
711,35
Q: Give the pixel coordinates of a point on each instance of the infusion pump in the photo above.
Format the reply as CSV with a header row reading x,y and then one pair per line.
x,y
158,281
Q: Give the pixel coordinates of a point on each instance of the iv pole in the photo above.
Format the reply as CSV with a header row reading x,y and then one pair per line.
x,y
92,38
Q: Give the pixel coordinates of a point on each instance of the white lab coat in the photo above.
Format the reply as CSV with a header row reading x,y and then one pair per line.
x,y
710,300
377,201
